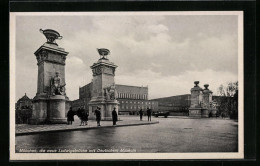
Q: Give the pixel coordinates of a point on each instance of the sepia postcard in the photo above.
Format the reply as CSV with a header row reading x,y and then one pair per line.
x,y
126,85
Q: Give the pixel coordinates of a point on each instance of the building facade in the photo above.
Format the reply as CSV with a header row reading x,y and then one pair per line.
x,y
84,97
176,105
131,99
23,110
179,105
24,102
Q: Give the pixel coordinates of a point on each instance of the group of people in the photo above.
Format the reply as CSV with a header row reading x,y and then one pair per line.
x,y
98,116
83,116
148,112
81,113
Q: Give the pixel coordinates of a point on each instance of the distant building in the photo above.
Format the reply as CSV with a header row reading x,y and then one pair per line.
x,y
23,110
84,97
179,105
24,102
134,98
176,105
131,99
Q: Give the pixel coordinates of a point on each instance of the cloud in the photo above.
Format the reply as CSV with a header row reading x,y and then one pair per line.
x,y
74,61
161,86
167,53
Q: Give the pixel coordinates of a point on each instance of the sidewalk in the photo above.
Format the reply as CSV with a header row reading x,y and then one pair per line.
x,y
26,129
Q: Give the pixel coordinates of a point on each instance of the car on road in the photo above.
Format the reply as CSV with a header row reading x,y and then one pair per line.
x,y
165,114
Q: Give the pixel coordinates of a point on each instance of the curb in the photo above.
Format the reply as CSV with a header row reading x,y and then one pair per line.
x,y
87,128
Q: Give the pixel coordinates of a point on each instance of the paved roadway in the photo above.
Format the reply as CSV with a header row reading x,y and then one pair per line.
x,y
26,129
172,134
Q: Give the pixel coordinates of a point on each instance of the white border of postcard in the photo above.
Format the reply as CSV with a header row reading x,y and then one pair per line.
x,y
112,156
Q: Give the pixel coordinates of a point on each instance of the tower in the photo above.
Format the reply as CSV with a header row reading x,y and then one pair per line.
x,y
196,100
49,104
207,100
103,86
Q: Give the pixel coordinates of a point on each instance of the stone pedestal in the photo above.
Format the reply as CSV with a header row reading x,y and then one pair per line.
x,y
56,113
39,111
205,113
195,109
207,99
106,109
213,112
195,112
103,90
51,64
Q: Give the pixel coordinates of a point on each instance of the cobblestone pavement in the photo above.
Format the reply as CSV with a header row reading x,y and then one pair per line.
x,y
24,129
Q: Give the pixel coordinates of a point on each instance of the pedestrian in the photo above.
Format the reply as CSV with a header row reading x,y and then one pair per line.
x,y
79,112
70,116
222,115
141,114
85,117
114,116
149,113
98,116
210,114
80,115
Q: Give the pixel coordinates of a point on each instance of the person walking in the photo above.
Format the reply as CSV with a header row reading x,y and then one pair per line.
x,y
222,115
210,114
114,116
149,113
141,114
98,116
85,117
80,115
70,116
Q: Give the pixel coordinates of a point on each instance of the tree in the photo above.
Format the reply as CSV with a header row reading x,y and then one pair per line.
x,y
228,99
228,90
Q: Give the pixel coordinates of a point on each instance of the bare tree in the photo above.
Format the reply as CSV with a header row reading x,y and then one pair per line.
x,y
228,90
228,99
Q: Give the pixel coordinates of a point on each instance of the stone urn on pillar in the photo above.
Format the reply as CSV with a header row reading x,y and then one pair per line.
x,y
207,100
50,104
196,100
104,94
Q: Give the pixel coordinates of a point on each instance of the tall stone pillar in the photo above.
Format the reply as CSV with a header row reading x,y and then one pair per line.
x,y
103,87
196,100
207,99
49,104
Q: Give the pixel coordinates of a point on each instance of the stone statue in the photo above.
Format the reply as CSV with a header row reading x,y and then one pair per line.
x,y
113,92
106,94
56,87
110,92
213,104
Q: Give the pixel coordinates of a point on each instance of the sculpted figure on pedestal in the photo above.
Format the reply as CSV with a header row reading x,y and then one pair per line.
x,y
106,94
111,93
56,87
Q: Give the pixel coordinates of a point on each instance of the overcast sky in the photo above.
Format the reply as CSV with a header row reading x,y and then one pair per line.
x,y
166,52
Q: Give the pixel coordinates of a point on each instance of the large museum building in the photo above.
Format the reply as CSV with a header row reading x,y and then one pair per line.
x,y
131,99
176,105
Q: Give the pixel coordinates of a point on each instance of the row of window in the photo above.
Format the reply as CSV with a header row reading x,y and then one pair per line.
x,y
131,107
137,102
132,96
